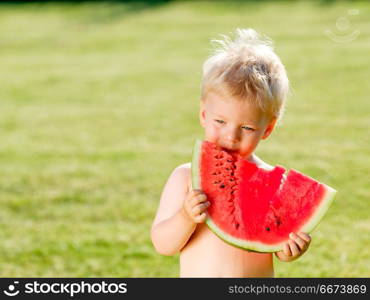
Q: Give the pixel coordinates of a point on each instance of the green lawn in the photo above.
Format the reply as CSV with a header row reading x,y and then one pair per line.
x,y
99,104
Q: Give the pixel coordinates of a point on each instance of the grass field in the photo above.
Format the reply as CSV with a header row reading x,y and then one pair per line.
x,y
99,104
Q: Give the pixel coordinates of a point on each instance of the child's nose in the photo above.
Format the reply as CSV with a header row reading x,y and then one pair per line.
x,y
232,136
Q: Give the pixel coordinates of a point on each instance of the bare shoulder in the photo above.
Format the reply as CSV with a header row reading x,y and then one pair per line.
x,y
186,167
173,194
183,173
178,181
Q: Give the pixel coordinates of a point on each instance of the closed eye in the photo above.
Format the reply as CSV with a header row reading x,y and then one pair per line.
x,y
220,121
248,128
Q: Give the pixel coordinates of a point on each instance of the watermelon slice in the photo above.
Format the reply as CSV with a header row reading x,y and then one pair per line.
x,y
253,208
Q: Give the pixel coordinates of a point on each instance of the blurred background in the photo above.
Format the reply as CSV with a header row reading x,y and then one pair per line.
x,y
99,103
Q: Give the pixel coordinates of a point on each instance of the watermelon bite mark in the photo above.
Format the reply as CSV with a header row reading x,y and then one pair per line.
x,y
254,208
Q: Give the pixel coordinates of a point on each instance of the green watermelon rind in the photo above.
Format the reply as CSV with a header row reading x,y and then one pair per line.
x,y
321,210
255,245
195,162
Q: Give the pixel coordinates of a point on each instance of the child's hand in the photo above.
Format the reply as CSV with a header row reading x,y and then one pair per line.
x,y
195,206
297,245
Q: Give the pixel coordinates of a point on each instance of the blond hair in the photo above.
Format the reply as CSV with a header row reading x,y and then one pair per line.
x,y
249,69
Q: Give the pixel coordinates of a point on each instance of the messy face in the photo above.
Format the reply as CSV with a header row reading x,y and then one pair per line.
x,y
234,125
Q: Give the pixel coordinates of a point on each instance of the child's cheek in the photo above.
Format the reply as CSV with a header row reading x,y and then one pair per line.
x,y
249,143
212,133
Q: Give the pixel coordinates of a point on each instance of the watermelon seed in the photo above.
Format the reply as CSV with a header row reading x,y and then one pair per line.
x,y
267,228
222,186
229,160
236,225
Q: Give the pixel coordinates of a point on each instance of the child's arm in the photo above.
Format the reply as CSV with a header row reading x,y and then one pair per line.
x,y
180,209
297,245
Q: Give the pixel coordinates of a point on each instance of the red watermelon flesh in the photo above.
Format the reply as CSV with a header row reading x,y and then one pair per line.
x,y
254,208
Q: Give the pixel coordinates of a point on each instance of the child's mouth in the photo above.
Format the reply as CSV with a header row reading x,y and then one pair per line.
x,y
232,152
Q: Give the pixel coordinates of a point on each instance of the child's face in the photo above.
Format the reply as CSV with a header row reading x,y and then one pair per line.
x,y
232,124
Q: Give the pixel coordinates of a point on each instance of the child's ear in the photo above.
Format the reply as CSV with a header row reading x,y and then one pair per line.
x,y
202,114
270,127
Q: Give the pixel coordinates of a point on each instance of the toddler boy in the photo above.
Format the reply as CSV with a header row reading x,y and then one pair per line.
x,y
243,91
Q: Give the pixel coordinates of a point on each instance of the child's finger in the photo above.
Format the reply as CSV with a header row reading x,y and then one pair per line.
x,y
201,218
198,199
286,250
200,208
293,248
196,192
300,242
304,236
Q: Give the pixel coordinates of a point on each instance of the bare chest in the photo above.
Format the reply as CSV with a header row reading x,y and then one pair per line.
x,y
206,255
